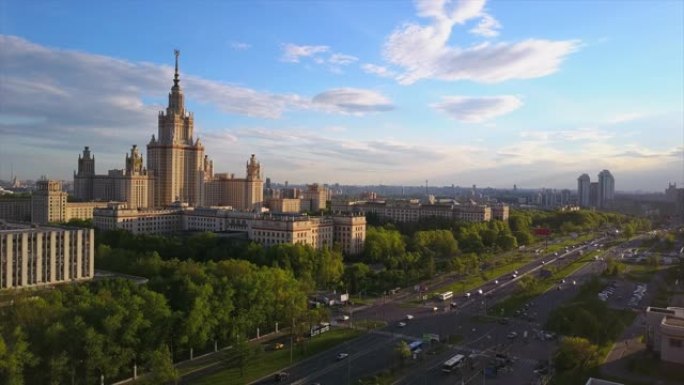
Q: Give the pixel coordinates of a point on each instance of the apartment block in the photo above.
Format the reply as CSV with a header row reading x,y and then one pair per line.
x,y
35,256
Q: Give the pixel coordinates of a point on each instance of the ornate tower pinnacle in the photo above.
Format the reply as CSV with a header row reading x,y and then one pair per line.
x,y
176,78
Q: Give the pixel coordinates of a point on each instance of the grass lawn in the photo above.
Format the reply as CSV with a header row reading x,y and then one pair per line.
x,y
508,306
369,324
475,281
270,361
640,273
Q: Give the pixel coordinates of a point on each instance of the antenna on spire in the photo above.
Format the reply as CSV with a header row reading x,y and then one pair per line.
x,y
175,76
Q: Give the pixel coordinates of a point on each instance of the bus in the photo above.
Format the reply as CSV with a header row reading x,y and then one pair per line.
x,y
453,363
415,346
446,295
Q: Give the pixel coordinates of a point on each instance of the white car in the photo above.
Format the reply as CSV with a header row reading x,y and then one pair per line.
x,y
480,292
409,316
341,356
467,295
402,324
496,281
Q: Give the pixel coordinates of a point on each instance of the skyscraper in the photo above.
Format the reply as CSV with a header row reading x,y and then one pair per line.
x,y
177,169
606,189
583,188
175,157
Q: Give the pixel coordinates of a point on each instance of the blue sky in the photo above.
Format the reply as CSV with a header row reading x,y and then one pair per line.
x,y
495,93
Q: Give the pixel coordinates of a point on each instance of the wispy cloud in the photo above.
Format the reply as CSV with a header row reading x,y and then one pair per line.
x,y
342,59
477,109
378,70
292,53
424,51
625,117
352,101
239,45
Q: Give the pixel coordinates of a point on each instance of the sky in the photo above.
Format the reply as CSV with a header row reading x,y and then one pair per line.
x,y
492,93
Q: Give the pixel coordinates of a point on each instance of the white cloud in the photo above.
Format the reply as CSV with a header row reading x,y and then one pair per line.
x,y
377,70
342,59
477,109
292,52
239,46
424,51
625,117
487,27
352,101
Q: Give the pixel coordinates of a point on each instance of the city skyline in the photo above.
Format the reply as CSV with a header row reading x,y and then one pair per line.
x,y
468,93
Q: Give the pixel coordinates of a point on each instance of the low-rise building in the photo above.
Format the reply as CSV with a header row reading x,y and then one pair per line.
x,y
665,333
34,256
349,231
15,209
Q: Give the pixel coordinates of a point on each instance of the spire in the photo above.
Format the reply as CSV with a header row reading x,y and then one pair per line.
x,y
176,79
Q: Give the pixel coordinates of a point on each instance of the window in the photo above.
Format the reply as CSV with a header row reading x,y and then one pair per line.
x,y
675,343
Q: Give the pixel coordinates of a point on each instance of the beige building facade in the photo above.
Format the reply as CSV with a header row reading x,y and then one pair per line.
x,y
32,256
412,210
349,231
665,333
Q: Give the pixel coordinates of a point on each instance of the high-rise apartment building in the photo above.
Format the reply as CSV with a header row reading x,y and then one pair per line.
x,y
606,189
583,190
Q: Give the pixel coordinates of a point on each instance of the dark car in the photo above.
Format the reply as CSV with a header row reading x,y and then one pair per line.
x,y
282,376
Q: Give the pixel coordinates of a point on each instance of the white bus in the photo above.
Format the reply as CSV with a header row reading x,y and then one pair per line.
x,y
446,295
453,363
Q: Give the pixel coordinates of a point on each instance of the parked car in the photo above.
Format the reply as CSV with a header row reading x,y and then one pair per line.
x,y
341,356
401,324
512,335
409,316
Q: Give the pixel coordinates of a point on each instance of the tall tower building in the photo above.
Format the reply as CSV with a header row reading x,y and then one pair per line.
x,y
83,177
583,190
254,184
175,157
606,189
48,203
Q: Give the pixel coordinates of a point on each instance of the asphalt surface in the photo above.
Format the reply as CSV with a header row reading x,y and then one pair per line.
x,y
374,351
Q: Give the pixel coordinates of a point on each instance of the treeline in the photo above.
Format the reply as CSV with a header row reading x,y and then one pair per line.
x,y
76,333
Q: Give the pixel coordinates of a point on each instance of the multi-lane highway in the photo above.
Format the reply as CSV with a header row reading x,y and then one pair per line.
x,y
374,351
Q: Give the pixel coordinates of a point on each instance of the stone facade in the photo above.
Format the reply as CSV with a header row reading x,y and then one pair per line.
x,y
42,256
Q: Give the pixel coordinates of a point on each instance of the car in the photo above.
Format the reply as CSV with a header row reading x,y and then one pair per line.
x,y
344,317
514,275
278,346
401,324
467,295
559,288
282,376
496,281
503,321
435,309
543,262
454,305
480,292
574,282
516,272
512,335
562,280
342,356
409,316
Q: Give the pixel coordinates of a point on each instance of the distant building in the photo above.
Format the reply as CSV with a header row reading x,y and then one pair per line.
x,y
606,189
48,203
412,210
593,194
15,209
285,205
665,333
32,256
583,191
348,231
315,198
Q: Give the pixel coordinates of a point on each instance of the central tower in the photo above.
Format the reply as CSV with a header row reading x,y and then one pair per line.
x,y
175,157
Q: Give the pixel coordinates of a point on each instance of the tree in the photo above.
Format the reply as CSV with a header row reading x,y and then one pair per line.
x,y
162,370
403,352
15,356
240,354
576,354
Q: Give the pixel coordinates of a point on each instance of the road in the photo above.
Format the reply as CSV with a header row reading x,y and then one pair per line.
x,y
374,351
